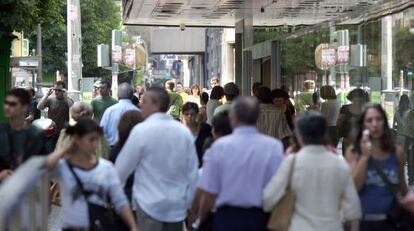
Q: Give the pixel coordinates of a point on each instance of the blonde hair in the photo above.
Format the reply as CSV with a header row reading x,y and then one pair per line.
x,y
81,110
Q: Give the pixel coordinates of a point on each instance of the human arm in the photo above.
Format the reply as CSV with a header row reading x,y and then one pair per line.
x,y
130,155
401,170
277,185
44,101
202,205
54,157
350,204
192,171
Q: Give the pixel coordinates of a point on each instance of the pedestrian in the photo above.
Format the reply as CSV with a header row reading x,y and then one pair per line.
x,y
128,121
18,140
321,181
220,127
104,100
272,121
202,115
176,101
349,114
330,109
216,95
281,100
400,126
373,154
194,97
214,82
58,111
80,111
316,102
201,131
231,92
255,88
181,91
236,169
87,184
305,98
162,154
33,113
113,114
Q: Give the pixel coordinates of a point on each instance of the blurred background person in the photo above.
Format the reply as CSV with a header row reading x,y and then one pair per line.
x,y
194,97
179,88
80,111
281,100
255,88
231,92
216,95
330,110
33,113
200,131
202,115
305,98
103,101
220,127
400,126
316,102
349,114
176,101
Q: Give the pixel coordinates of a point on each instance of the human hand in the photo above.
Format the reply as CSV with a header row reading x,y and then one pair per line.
x,y
70,146
365,144
5,174
50,91
407,201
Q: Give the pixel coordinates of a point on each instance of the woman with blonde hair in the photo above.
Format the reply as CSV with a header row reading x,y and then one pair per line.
x,y
80,111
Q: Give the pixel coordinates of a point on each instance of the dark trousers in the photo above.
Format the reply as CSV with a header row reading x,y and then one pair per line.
x,y
376,226
241,219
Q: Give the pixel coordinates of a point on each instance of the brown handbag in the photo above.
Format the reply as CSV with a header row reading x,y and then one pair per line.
x,y
282,213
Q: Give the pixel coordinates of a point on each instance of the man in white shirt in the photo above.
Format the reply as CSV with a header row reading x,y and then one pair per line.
x,y
161,151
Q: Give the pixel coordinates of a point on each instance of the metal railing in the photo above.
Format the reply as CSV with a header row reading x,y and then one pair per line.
x,y
24,197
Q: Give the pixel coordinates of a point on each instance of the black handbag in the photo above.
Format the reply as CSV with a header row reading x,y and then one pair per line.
x,y
101,218
399,217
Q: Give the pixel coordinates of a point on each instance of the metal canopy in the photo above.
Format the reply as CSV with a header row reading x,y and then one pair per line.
x,y
224,13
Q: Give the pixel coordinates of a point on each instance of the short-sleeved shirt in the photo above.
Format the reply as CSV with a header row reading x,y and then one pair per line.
x,y
19,145
59,111
102,180
237,167
33,110
100,104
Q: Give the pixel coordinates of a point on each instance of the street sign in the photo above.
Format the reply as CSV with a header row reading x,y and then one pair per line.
x,y
410,73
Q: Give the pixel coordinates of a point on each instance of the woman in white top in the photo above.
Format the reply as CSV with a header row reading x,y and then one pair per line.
x,y
321,181
194,97
330,109
87,181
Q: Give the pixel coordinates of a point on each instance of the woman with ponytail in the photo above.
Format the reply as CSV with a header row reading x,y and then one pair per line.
x,y
89,185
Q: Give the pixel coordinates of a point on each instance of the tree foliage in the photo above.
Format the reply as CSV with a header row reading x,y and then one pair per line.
x,y
23,15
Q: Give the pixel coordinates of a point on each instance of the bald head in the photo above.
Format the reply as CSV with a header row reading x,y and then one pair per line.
x,y
125,91
245,111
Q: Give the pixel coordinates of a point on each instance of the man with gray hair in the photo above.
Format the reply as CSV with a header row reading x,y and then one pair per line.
x,y
236,169
112,115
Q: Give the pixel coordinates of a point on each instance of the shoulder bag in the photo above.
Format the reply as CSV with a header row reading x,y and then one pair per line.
x,y
281,215
402,219
101,218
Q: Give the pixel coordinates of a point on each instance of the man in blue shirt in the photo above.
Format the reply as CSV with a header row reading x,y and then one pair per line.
x,y
112,115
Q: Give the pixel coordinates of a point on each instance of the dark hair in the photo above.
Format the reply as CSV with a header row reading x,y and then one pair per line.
x,y
256,87
84,127
204,98
404,104
279,93
246,109
107,83
315,97
264,94
161,97
21,94
328,92
217,93
311,126
387,140
60,83
190,106
31,91
195,86
358,93
128,121
221,124
170,85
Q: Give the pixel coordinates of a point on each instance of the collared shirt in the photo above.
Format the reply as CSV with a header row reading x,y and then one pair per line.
x,y
223,108
237,167
111,117
162,153
324,189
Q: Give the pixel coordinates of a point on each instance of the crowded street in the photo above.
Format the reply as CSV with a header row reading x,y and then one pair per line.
x,y
187,115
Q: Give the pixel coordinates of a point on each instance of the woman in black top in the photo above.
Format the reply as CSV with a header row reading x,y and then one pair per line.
x,y
201,131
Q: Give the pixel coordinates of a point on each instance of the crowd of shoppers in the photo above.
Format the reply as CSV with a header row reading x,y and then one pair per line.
x,y
215,160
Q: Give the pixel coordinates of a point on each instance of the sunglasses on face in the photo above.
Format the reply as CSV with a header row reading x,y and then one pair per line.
x,y
10,103
59,90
